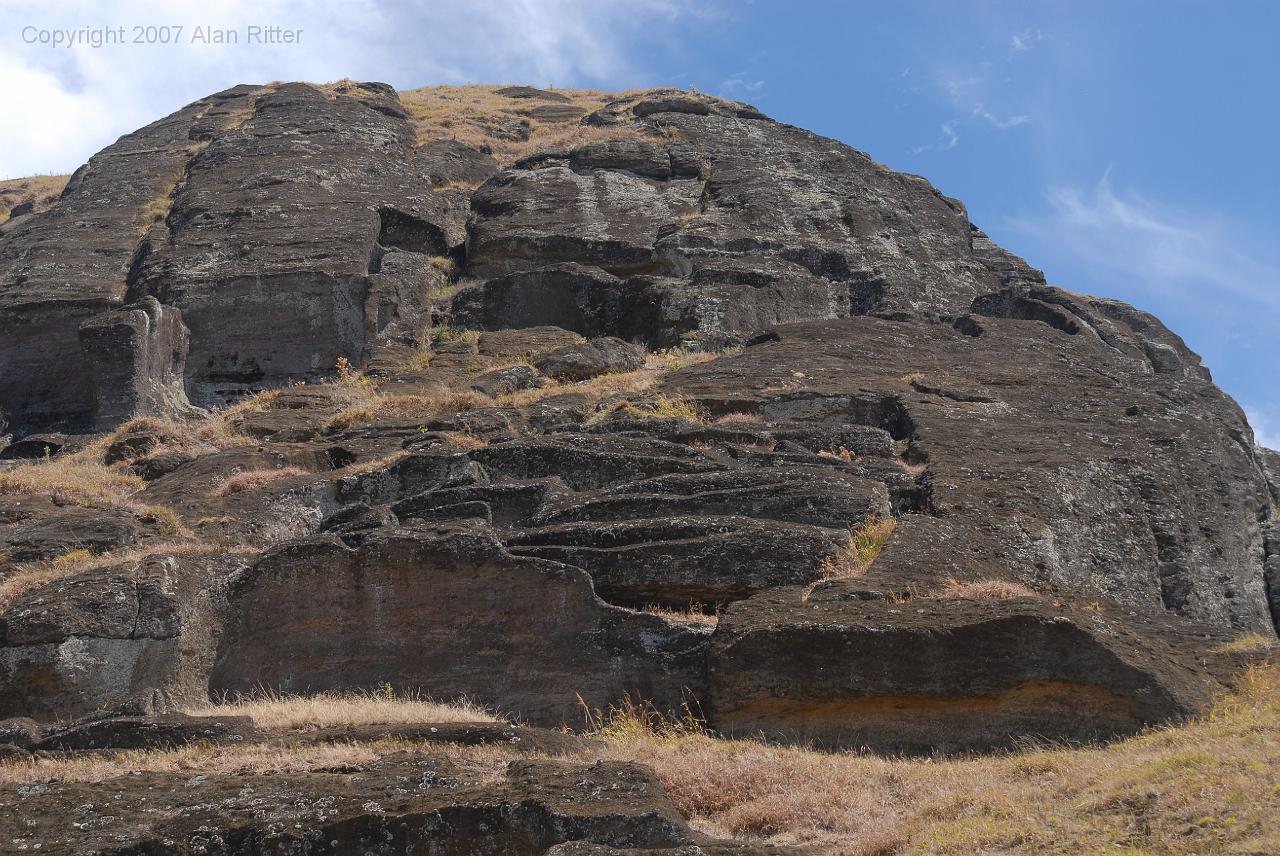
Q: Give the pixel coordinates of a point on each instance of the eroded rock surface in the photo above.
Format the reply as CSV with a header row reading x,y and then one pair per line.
x,y
698,409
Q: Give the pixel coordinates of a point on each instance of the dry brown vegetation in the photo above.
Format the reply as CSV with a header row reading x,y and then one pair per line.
x,y
407,408
1249,643
663,406
1211,786
40,190
692,615
953,589
479,117
197,758
250,479
82,479
864,546
275,712
29,576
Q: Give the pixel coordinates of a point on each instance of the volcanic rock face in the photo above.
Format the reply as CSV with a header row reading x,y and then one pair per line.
x,y
524,501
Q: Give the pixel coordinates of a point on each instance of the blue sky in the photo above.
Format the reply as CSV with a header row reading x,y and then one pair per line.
x,y
1126,148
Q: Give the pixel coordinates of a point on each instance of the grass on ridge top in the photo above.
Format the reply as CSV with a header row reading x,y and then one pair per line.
x,y
42,190
476,115
277,712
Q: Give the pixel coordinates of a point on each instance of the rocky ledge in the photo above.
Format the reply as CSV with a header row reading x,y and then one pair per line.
x,y
590,398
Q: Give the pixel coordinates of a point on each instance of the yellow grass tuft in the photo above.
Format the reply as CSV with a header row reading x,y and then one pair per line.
x,y
662,406
864,546
250,479
741,419
1249,643
408,408
221,429
953,589
444,264
692,615
674,359
276,712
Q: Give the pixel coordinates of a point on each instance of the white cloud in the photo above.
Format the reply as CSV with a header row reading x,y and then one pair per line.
x,y
62,104
950,137
1024,40
740,87
1163,248
1001,123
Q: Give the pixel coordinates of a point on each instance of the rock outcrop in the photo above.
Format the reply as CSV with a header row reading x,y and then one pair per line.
x,y
686,406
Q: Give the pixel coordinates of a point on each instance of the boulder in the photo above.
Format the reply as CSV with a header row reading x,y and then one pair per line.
x,y
452,613
589,359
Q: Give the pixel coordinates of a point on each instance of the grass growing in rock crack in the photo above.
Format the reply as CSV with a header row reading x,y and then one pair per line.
x,y
692,615
865,543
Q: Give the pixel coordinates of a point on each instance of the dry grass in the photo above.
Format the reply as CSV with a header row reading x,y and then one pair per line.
x,y
741,419
197,758
864,546
82,479
674,359
841,454
29,576
444,264
250,479
1211,786
692,615
662,406
408,408
221,429
1249,643
479,117
274,712
953,589
596,388
40,190
171,436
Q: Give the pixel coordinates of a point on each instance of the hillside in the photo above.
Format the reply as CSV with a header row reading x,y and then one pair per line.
x,y
568,402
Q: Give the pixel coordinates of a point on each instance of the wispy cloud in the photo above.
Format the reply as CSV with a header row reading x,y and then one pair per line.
x,y
1024,40
967,92
62,104
950,137
741,87
1006,122
1157,244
